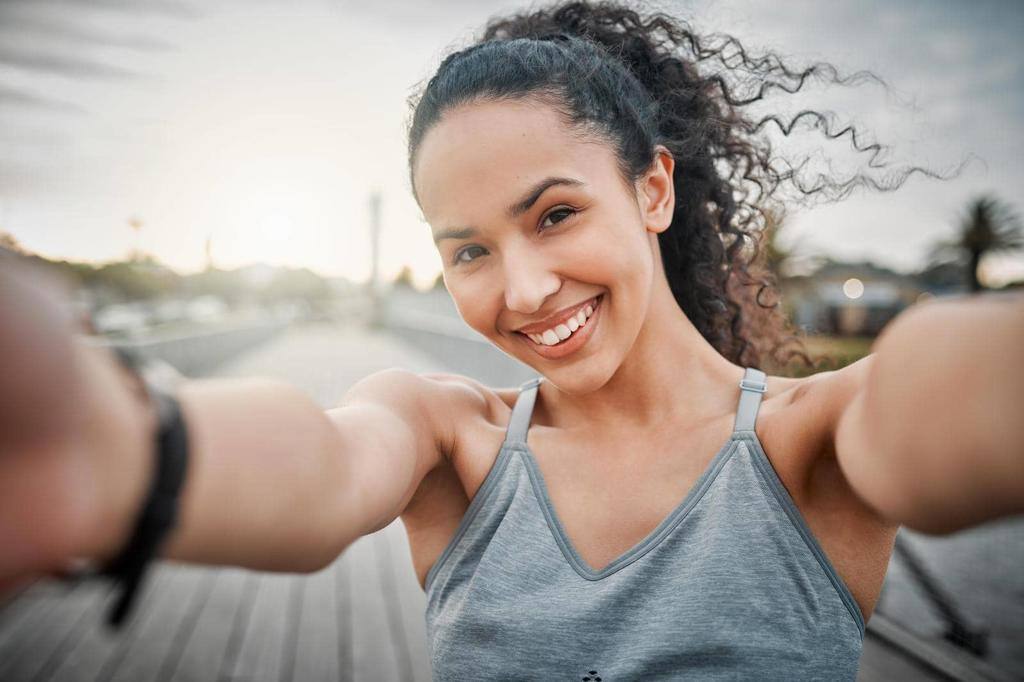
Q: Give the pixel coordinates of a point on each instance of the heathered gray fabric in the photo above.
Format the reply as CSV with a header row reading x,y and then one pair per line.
x,y
731,585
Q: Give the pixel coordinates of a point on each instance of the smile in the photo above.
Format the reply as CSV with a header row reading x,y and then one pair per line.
x,y
567,337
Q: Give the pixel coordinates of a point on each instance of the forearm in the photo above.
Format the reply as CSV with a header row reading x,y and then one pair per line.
x,y
272,481
269,484
265,488
934,440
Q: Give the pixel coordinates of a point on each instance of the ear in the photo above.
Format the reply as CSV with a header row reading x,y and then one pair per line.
x,y
657,193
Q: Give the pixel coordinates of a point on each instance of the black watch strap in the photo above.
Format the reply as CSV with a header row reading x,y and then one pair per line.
x,y
160,511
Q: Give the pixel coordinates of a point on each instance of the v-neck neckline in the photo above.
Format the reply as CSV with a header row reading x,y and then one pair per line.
x,y
650,541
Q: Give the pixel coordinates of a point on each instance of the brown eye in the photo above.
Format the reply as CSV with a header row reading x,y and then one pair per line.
x,y
468,250
557,216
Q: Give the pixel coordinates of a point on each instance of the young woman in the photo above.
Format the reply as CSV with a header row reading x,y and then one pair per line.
x,y
651,505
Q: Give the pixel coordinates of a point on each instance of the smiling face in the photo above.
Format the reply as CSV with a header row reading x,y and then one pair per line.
x,y
535,226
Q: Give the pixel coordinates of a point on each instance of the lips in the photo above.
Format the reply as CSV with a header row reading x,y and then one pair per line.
x,y
558,318
575,342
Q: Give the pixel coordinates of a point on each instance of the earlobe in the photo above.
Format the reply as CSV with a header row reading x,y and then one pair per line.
x,y
659,191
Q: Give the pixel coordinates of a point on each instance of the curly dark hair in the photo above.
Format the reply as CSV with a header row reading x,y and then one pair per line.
x,y
641,81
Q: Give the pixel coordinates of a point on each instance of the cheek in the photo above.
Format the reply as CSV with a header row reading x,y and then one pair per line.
x,y
621,257
477,305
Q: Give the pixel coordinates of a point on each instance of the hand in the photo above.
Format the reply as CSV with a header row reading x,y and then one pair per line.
x,y
36,330
75,438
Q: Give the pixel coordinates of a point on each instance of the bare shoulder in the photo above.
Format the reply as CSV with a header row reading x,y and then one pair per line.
x,y
449,403
801,417
822,397
838,389
470,417
810,411
469,396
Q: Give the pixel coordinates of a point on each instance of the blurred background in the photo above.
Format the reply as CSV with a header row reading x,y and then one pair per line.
x,y
223,185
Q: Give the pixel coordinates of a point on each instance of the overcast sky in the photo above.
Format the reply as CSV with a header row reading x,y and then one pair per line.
x,y
264,126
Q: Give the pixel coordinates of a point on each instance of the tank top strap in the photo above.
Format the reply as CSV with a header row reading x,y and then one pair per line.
x,y
519,423
752,386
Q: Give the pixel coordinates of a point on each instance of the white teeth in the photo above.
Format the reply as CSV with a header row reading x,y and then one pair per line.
x,y
565,330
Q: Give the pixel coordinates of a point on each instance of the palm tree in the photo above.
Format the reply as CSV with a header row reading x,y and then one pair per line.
x,y
987,226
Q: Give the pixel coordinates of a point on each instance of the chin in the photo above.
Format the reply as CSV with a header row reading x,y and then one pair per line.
x,y
574,382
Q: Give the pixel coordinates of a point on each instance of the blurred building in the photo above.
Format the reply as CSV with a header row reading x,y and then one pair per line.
x,y
859,298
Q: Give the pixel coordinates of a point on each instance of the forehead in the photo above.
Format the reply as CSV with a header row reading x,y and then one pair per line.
x,y
482,156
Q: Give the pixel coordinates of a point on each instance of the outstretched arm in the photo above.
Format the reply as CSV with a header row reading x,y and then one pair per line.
x,y
273,482
934,438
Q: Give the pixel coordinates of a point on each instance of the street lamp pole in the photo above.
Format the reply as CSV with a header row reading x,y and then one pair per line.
x,y
376,314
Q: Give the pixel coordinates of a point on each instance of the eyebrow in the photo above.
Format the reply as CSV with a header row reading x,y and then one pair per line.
x,y
517,209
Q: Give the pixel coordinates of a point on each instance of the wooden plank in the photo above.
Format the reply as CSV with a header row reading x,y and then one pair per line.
x,y
203,653
296,593
262,654
343,602
155,637
97,648
27,640
372,651
240,624
28,613
411,601
41,647
392,609
183,631
316,649
23,615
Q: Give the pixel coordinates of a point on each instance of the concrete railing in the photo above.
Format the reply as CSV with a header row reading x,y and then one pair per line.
x,y
454,344
197,353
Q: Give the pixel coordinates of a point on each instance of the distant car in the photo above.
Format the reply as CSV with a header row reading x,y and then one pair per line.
x,y
170,310
121,318
206,309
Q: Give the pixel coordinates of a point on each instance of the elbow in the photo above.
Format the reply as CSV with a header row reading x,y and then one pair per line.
x,y
944,518
868,464
881,465
884,481
930,441
901,456
317,558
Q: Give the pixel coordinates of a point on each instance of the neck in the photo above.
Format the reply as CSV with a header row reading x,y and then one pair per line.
x,y
671,373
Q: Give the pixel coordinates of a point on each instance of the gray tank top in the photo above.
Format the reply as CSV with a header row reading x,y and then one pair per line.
x,y
731,585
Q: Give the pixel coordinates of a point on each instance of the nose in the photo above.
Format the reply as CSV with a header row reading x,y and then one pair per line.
x,y
528,281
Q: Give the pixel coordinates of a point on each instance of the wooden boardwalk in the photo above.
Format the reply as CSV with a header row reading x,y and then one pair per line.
x,y
359,619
